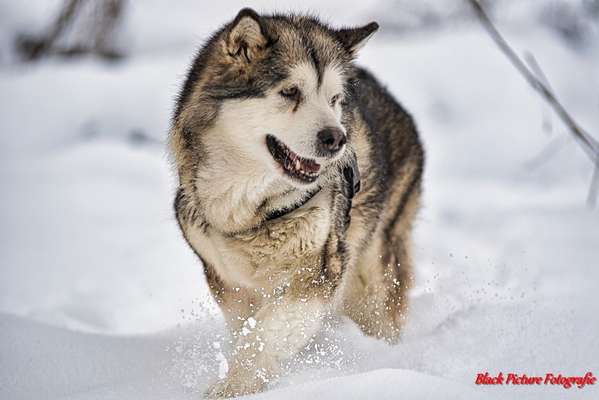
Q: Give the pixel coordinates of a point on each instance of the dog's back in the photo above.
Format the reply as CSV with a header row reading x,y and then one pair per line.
x,y
391,159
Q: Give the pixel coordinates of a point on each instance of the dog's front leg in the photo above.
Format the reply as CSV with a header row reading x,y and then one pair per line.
x,y
274,334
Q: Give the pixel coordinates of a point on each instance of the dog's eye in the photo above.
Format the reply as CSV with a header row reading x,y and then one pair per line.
x,y
292,93
334,100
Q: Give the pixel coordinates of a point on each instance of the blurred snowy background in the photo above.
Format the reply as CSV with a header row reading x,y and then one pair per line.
x,y
101,298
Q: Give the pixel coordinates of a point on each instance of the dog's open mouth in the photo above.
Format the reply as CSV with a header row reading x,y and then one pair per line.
x,y
295,166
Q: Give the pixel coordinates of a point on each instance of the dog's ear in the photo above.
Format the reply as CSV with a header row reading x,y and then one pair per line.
x,y
353,39
247,36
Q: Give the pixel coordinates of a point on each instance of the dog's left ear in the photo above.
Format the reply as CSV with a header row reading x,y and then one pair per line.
x,y
353,39
247,36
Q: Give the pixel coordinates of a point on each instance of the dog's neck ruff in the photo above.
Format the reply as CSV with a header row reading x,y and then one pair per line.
x,y
286,210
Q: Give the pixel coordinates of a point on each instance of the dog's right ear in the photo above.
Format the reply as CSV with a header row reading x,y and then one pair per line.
x,y
247,36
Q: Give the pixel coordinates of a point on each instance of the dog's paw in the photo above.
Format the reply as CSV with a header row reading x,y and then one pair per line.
x,y
233,386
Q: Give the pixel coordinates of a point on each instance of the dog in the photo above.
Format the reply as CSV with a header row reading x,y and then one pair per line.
x,y
299,181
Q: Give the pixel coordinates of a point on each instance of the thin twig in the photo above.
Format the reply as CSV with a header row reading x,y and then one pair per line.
x,y
586,141
592,196
550,149
64,18
536,68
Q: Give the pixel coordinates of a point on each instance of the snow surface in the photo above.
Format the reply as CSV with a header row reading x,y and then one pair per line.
x,y
100,298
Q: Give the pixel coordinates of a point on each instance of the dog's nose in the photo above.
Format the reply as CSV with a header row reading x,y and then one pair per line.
x,y
331,140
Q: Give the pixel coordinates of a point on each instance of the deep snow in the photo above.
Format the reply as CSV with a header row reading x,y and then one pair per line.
x,y
101,298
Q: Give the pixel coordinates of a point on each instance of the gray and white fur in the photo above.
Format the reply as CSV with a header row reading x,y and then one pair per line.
x,y
299,180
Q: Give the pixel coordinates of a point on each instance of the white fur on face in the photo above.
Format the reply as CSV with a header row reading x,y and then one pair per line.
x,y
245,123
240,172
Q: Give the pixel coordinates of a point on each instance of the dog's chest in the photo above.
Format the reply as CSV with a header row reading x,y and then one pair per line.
x,y
275,252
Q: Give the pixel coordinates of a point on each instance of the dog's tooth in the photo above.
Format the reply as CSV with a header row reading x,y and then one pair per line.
x,y
297,163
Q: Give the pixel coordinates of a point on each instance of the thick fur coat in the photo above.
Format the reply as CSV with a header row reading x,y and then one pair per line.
x,y
299,179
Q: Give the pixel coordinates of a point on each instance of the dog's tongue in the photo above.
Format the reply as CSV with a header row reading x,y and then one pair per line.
x,y
310,166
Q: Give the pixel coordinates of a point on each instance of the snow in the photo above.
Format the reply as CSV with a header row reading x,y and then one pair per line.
x,y
101,298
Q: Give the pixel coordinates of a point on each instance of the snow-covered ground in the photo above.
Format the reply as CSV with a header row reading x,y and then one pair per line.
x,y
100,298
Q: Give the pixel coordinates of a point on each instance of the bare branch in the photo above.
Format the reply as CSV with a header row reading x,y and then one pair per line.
x,y
586,141
592,196
536,68
550,149
108,13
32,48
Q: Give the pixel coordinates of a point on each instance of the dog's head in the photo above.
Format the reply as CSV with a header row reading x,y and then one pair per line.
x,y
271,90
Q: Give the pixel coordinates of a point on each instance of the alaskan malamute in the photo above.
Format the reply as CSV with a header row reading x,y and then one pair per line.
x,y
299,179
